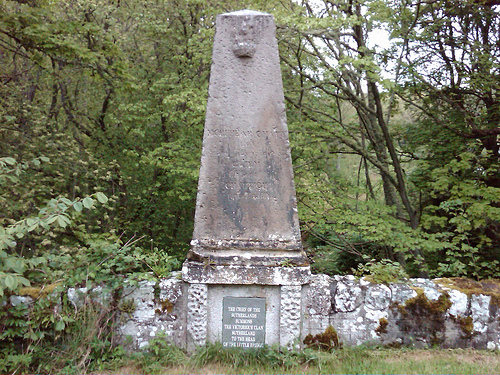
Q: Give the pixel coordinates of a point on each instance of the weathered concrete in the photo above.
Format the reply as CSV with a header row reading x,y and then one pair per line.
x,y
290,315
246,275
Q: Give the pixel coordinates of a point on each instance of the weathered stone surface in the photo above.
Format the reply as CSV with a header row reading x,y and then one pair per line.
x,y
377,297
248,275
143,298
317,305
197,315
290,314
77,296
20,300
246,211
185,316
460,303
428,287
348,294
480,310
401,293
152,316
319,299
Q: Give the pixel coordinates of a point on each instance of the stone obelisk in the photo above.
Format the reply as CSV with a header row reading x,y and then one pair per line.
x,y
246,229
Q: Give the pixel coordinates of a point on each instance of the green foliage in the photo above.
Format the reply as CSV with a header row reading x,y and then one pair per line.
x,y
50,322
82,337
14,267
384,271
117,109
251,358
422,189
160,354
466,212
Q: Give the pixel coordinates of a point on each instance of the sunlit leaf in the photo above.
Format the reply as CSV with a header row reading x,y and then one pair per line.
x,y
101,197
88,202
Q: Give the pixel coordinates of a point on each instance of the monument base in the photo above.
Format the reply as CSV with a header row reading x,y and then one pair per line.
x,y
244,316
206,273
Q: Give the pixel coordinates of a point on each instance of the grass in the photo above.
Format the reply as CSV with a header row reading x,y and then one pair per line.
x,y
213,359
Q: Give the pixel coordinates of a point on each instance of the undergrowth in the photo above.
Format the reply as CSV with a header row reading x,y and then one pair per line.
x,y
237,358
52,335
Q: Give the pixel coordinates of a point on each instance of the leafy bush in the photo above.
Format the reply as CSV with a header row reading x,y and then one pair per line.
x,y
67,255
384,271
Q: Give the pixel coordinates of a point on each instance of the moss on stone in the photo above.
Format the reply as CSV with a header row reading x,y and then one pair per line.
x,y
327,340
166,306
36,292
127,306
489,287
466,325
424,318
382,328
423,306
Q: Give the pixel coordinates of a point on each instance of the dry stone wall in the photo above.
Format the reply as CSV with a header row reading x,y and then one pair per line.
x,y
420,313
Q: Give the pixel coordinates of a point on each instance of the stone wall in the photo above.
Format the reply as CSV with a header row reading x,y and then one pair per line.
x,y
419,313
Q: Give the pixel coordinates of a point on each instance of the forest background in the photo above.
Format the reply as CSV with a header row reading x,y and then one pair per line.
x,y
395,147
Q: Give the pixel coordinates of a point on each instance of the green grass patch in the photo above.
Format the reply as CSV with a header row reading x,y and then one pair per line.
x,y
162,358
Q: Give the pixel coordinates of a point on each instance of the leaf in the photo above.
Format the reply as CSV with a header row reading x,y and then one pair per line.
x,y
66,201
10,161
59,326
10,282
61,222
24,281
78,206
101,197
16,264
51,219
88,202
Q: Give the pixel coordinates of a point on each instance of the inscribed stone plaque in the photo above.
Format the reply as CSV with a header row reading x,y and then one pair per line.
x,y
243,322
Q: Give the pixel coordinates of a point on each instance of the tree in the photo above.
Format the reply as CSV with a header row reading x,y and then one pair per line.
x,y
449,79
113,94
338,93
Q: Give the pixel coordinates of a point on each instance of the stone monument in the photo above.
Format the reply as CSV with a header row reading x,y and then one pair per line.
x,y
246,266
